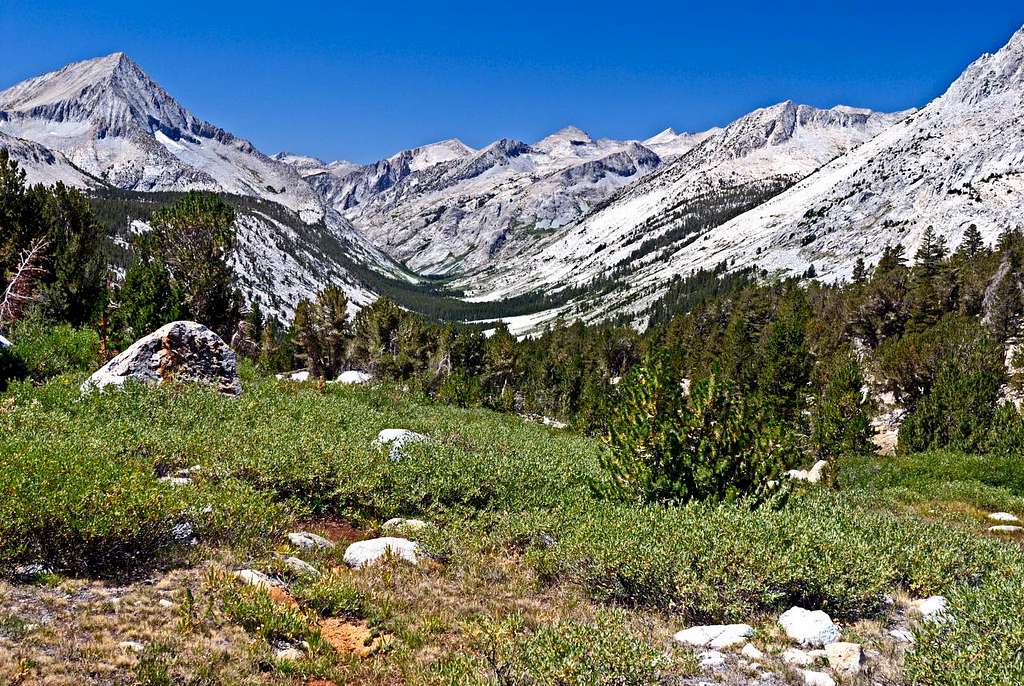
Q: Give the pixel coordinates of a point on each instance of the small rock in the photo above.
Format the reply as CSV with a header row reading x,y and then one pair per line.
x,y
364,553
291,654
845,658
308,541
751,651
133,646
354,378
397,438
795,656
812,678
165,603
902,635
1005,529
1003,517
931,609
175,480
710,659
812,475
715,635
399,524
4,343
300,567
252,577
809,628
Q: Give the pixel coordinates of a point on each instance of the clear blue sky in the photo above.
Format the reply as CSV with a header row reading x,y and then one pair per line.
x,y
346,80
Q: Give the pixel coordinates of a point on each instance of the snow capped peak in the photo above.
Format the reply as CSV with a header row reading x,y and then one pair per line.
x,y
426,156
566,140
666,136
991,75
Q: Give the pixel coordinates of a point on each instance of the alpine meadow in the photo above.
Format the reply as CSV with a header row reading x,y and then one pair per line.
x,y
737,406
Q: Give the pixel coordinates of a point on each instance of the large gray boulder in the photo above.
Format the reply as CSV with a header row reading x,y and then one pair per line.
x,y
176,352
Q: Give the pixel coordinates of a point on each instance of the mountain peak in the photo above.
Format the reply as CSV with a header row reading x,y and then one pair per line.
x,y
992,74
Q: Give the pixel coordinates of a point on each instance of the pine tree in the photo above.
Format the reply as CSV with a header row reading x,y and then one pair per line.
x,y
893,257
930,255
972,245
860,271
145,299
332,323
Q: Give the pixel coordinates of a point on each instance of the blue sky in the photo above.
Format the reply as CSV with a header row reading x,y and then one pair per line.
x,y
345,80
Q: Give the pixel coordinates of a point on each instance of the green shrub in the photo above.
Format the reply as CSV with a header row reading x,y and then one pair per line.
x,y
841,419
956,414
665,446
47,350
598,653
1006,436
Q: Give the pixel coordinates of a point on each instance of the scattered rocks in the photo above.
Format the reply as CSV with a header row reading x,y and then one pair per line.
x,y
845,658
308,541
710,659
715,635
1005,529
397,438
252,577
363,553
300,567
352,377
812,678
812,475
809,628
177,352
175,480
931,609
1003,517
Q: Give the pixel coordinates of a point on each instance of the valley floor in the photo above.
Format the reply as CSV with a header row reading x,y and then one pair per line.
x,y
127,516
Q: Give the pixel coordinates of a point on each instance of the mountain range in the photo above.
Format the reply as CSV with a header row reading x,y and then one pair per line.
x,y
784,188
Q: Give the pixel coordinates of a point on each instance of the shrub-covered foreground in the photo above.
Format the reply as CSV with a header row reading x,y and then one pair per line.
x,y
82,495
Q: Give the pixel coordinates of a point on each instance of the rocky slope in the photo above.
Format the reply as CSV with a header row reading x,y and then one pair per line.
x,y
728,172
446,208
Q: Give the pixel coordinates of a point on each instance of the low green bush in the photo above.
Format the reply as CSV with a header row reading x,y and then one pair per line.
x,y
668,446
42,350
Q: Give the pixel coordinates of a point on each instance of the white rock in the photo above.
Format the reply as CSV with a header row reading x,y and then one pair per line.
x,y
399,524
902,635
931,609
291,654
1003,517
308,541
133,646
364,553
4,343
711,659
177,352
397,438
795,656
353,377
300,567
252,577
1005,529
715,635
175,480
751,651
812,678
165,603
812,475
844,657
809,628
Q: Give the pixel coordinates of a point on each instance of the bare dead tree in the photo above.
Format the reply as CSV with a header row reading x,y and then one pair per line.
x,y
21,289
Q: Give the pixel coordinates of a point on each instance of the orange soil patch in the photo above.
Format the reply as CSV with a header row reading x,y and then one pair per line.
x,y
349,637
282,597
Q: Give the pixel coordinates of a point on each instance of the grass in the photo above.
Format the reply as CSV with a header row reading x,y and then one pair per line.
x,y
532,578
